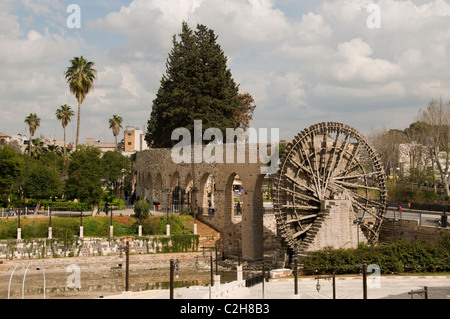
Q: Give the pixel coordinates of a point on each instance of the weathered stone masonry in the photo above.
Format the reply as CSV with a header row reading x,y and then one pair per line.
x,y
158,175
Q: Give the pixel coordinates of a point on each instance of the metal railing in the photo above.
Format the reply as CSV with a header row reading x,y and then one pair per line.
x,y
424,217
254,280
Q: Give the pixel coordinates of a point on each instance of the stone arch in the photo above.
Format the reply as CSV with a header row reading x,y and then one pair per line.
x,y
175,193
158,190
207,193
141,188
255,216
188,181
148,187
189,192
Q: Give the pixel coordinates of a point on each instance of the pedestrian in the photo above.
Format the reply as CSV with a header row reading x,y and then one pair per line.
x,y
444,222
106,208
238,208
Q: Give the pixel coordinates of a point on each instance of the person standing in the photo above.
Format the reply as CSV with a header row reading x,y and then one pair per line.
x,y
444,221
106,208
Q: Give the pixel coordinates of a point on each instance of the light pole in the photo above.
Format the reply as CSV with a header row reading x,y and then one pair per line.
x,y
167,211
173,270
81,223
127,264
357,222
111,227
364,275
295,271
50,224
328,277
194,191
19,230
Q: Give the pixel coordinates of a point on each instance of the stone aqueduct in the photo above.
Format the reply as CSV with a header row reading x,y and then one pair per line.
x,y
158,177
330,179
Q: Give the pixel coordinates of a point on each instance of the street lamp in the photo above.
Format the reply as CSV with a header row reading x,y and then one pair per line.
x,y
358,222
328,277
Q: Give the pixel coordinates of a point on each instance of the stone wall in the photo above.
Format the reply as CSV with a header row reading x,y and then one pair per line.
x,y
45,248
334,228
409,230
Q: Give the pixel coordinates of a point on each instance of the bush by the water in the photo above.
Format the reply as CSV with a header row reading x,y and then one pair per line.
x,y
396,257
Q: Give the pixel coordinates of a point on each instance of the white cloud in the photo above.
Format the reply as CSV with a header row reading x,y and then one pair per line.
x,y
354,65
324,64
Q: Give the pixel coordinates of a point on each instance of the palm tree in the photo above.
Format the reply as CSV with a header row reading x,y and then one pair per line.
x,y
33,121
64,114
38,149
115,123
80,76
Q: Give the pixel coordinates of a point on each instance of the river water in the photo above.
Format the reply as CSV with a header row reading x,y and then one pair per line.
x,y
88,278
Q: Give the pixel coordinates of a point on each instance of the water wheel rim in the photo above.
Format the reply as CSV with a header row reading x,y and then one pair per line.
x,y
302,183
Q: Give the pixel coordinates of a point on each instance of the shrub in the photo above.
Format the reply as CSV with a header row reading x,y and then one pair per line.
x,y
141,209
396,257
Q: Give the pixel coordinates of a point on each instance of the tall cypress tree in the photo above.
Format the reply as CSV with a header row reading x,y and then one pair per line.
x,y
197,86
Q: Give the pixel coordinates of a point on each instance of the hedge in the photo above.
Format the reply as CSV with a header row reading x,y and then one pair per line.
x,y
396,257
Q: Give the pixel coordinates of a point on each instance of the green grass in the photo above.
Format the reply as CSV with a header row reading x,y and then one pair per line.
x,y
64,227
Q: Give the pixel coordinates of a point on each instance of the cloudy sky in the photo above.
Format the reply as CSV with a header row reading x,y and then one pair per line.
x,y
304,62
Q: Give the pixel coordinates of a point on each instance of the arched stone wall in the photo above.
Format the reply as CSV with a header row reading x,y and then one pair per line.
x,y
157,172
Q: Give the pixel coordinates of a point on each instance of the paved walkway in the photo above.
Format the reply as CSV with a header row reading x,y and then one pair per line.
x,y
384,287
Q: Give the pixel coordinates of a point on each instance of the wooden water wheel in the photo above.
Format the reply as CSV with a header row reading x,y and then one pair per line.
x,y
328,161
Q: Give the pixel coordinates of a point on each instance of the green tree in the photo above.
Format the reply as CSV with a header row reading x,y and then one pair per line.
x,y
11,167
33,122
115,168
196,86
42,182
85,173
37,147
115,123
64,114
55,160
141,209
80,76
